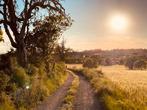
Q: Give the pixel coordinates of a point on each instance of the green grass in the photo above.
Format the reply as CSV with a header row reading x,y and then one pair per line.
x,y
5,102
111,96
14,95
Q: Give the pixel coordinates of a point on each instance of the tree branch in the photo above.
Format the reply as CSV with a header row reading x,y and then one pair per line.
x,y
6,28
43,5
12,17
1,12
9,35
1,5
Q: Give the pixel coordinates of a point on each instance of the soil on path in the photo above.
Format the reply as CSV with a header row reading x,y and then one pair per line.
x,y
86,98
54,101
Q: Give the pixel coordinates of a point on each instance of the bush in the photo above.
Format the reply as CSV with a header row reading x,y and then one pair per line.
x,y
5,102
32,70
130,62
139,64
19,76
3,81
90,63
135,63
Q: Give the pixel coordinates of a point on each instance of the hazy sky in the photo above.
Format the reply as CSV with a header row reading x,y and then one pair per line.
x,y
90,28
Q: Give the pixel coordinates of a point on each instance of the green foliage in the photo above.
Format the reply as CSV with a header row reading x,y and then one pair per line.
x,y
35,94
41,85
5,102
140,64
47,31
32,70
130,62
19,76
107,62
3,80
90,63
135,63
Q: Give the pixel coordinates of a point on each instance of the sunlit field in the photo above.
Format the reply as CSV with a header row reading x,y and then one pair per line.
x,y
77,66
132,81
121,75
126,78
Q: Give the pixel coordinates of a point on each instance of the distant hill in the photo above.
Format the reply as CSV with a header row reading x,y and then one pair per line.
x,y
115,56
115,52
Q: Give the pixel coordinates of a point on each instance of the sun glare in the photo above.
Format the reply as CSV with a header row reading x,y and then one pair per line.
x,y
118,22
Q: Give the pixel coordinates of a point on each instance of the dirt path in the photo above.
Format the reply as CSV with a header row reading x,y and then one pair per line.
x,y
54,102
86,99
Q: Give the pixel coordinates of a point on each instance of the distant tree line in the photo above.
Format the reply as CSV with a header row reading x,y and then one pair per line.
x,y
136,63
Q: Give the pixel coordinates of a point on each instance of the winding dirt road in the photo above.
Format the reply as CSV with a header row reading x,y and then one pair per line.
x,y
86,99
54,101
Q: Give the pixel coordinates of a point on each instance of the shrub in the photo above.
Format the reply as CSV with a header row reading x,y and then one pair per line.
x,y
5,102
139,64
135,63
32,70
90,63
19,76
3,81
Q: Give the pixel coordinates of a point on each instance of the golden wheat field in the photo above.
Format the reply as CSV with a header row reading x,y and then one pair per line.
x,y
132,81
124,77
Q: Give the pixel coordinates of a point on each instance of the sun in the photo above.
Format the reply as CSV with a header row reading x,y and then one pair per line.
x,y
118,22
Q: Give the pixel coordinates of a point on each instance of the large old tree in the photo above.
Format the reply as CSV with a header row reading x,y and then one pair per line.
x,y
18,16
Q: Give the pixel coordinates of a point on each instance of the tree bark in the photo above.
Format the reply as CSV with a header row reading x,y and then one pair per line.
x,y
21,54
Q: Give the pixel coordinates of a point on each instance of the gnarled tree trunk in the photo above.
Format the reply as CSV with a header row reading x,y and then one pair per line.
x,y
21,54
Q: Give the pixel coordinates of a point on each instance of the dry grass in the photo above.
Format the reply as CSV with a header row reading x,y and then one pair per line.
x,y
70,96
115,95
75,66
120,88
134,82
127,79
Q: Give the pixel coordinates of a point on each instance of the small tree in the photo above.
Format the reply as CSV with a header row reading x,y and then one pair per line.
x,y
139,64
90,63
130,62
107,62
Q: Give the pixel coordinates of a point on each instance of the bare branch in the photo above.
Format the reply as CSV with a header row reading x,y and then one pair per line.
x,y
12,17
1,12
1,5
6,28
10,36
4,22
43,5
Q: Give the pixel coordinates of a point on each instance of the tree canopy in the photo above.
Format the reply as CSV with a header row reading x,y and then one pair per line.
x,y
18,17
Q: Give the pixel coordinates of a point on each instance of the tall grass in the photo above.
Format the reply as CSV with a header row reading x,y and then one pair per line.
x,y
70,96
112,96
33,83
